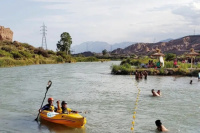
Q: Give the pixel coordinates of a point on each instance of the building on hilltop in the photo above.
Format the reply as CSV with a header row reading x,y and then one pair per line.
x,y
6,34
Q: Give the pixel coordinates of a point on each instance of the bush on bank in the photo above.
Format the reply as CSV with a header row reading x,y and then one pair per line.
x,y
129,66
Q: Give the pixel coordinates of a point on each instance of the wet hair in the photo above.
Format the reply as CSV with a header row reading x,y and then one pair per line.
x,y
158,123
152,90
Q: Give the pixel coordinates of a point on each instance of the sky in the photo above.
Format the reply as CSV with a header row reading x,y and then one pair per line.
x,y
111,21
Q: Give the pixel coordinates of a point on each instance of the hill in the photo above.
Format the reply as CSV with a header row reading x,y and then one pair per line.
x,y
177,46
19,54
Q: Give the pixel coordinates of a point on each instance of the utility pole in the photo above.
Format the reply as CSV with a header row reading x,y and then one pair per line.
x,y
44,41
154,40
87,47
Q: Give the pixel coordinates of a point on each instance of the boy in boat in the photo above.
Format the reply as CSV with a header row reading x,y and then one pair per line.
x,y
160,127
49,106
63,108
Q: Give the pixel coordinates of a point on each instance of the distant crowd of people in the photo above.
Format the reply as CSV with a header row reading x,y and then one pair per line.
x,y
151,64
141,74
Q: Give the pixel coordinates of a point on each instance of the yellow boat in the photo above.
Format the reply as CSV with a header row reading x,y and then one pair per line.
x,y
73,120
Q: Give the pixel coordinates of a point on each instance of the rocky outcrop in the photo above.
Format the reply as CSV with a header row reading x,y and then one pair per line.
x,y
5,34
177,46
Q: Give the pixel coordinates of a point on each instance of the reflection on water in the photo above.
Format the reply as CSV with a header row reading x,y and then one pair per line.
x,y
110,98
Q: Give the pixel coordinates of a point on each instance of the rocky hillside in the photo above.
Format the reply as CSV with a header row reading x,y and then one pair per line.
x,y
5,34
177,46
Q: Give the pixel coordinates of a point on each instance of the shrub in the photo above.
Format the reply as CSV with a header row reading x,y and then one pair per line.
x,y
62,54
91,59
170,57
51,52
6,62
16,54
27,46
4,54
122,69
6,48
59,59
25,54
41,51
194,73
169,64
136,63
161,72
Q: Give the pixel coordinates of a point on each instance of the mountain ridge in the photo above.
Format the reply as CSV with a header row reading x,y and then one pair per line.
x,y
177,46
98,46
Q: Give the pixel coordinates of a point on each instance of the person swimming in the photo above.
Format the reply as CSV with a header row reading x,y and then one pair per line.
x,y
160,127
159,93
154,93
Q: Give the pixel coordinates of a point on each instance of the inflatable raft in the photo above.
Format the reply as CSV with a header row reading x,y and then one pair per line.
x,y
73,120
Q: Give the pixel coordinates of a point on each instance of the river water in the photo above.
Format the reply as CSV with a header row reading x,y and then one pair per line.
x,y
109,98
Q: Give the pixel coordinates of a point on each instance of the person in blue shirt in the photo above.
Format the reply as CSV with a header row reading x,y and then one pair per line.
x,y
49,106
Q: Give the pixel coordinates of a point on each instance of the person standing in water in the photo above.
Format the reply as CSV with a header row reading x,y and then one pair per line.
x,y
136,75
160,127
145,74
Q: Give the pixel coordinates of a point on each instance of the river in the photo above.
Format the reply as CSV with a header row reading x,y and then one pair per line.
x,y
110,99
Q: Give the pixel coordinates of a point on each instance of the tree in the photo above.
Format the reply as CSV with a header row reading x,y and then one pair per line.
x,y
104,52
170,57
65,43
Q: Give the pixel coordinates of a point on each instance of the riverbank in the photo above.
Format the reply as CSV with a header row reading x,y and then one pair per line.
x,y
128,67
152,71
21,54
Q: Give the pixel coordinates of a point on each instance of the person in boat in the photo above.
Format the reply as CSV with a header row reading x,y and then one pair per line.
x,y
160,127
49,106
64,108
154,93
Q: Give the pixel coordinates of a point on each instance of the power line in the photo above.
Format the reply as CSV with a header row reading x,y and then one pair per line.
x,y
44,41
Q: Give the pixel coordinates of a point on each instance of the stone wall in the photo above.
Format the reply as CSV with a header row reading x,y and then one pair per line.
x,y
5,34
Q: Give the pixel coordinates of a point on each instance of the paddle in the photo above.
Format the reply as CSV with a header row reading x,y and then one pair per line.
x,y
85,112
47,88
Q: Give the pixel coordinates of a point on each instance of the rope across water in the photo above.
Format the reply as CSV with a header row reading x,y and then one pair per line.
x,y
135,108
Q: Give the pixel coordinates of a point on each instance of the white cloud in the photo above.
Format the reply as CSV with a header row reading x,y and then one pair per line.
x,y
50,1
117,20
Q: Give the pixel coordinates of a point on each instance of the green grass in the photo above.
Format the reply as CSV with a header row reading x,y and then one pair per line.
x,y
20,54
